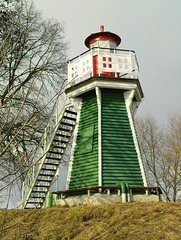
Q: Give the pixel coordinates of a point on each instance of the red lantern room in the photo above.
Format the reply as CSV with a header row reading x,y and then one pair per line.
x,y
103,39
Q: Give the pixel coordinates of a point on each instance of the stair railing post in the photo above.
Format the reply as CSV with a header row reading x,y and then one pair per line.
x,y
44,139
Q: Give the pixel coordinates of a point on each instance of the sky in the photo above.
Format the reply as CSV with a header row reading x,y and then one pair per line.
x,y
151,28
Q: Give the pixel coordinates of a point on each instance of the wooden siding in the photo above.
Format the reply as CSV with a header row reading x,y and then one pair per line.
x,y
85,166
119,157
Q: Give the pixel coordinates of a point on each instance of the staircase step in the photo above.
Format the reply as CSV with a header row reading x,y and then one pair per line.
x,y
46,175
43,172
62,135
67,124
71,112
33,191
50,164
37,197
59,147
30,208
44,180
38,185
64,129
53,158
37,202
54,152
49,169
44,189
69,118
60,140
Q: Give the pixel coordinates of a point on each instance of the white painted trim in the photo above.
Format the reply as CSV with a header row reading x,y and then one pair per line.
x,y
77,104
134,107
105,84
98,94
129,95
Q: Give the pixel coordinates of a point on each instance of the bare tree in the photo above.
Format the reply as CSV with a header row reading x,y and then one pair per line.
x,y
161,152
172,153
150,140
32,71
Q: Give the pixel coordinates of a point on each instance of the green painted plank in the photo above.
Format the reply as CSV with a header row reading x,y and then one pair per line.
x,y
85,164
119,157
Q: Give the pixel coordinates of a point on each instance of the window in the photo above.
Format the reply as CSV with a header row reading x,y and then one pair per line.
x,y
125,61
86,140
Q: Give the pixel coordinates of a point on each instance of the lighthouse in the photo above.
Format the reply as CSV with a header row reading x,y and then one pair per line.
x,y
97,108
107,91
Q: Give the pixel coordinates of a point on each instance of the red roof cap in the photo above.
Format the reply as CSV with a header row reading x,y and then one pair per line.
x,y
102,35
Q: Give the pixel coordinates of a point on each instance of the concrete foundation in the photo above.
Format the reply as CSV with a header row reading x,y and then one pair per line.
x,y
98,198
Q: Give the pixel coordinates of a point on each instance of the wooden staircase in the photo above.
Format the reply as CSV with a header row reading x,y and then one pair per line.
x,y
40,176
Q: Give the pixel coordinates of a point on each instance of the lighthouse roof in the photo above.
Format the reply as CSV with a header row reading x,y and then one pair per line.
x,y
102,35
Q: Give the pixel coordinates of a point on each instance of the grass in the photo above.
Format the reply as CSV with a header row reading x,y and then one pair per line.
x,y
114,221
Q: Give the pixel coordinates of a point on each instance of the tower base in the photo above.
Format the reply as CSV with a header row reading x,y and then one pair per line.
x,y
106,195
98,199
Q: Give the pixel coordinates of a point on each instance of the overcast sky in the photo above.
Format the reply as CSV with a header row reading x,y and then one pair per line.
x,y
151,28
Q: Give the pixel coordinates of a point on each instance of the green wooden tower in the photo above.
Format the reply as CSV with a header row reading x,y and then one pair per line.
x,y
105,88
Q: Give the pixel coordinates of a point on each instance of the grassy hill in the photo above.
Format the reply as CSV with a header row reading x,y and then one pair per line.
x,y
116,221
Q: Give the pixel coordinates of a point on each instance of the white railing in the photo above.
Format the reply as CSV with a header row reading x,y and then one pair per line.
x,y
121,62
